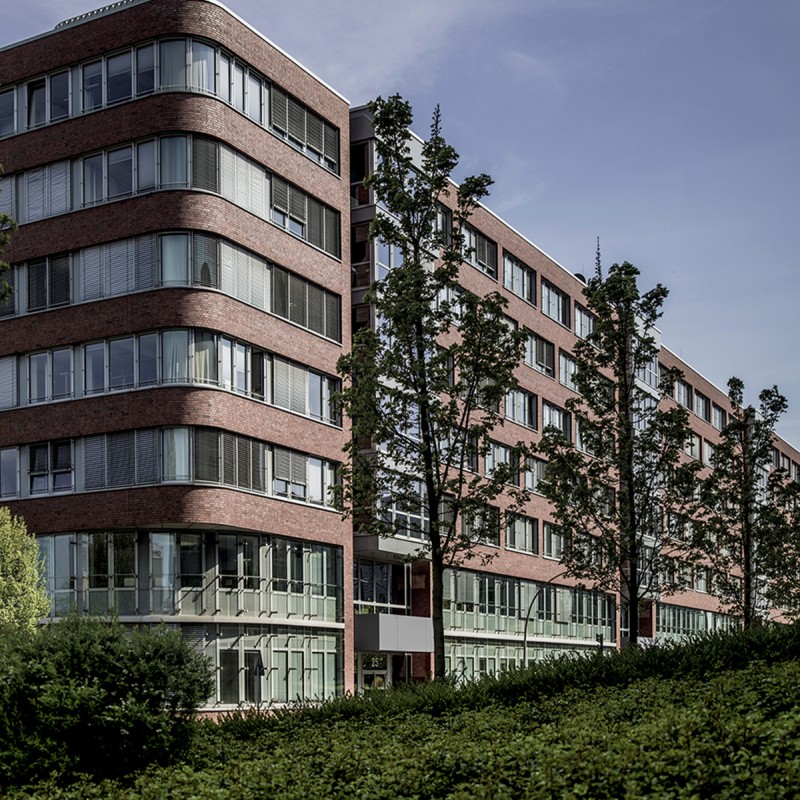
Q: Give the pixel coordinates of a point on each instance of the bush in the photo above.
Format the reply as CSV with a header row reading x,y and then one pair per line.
x,y
91,696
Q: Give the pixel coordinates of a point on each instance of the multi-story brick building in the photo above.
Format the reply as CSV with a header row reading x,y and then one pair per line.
x,y
183,288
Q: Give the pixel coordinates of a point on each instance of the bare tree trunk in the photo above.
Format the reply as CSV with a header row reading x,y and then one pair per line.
x,y
437,615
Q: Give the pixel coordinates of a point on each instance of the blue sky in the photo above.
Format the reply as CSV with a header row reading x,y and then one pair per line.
x,y
671,130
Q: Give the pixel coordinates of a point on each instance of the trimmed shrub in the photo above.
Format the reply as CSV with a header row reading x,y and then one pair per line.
x,y
91,696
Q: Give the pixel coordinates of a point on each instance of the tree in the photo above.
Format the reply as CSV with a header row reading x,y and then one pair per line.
x,y
620,492
749,512
23,599
781,560
424,388
7,227
92,696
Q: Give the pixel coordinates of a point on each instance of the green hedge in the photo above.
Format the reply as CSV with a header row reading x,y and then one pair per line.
x,y
91,696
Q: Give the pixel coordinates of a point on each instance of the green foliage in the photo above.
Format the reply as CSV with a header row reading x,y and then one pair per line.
x,y
610,497
23,599
423,390
749,522
716,718
90,696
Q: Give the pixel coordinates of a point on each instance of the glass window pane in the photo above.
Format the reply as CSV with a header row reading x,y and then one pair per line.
x,y
120,172
172,64
148,359
226,555
62,373
240,368
59,96
225,78
253,98
92,179
120,363
37,109
7,120
118,86
203,72
205,357
237,97
191,559
174,356
94,367
229,676
174,259
145,166
145,69
8,472
92,85
176,454
174,170
37,378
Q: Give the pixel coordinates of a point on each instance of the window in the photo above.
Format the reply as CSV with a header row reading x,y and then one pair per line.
x,y
482,525
203,74
407,516
304,303
50,375
9,472
519,278
650,372
693,445
229,459
50,467
8,112
8,306
710,451
49,283
683,394
702,406
566,370
584,321
303,129
522,533
719,418
304,216
37,103
59,95
172,64
119,84
555,303
480,251
701,579
534,473
47,192
381,585
120,173
301,477
298,389
523,408
175,454
359,170
287,566
555,417
145,69
124,458
389,258
8,381
553,541
498,455
540,354
110,175
92,78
